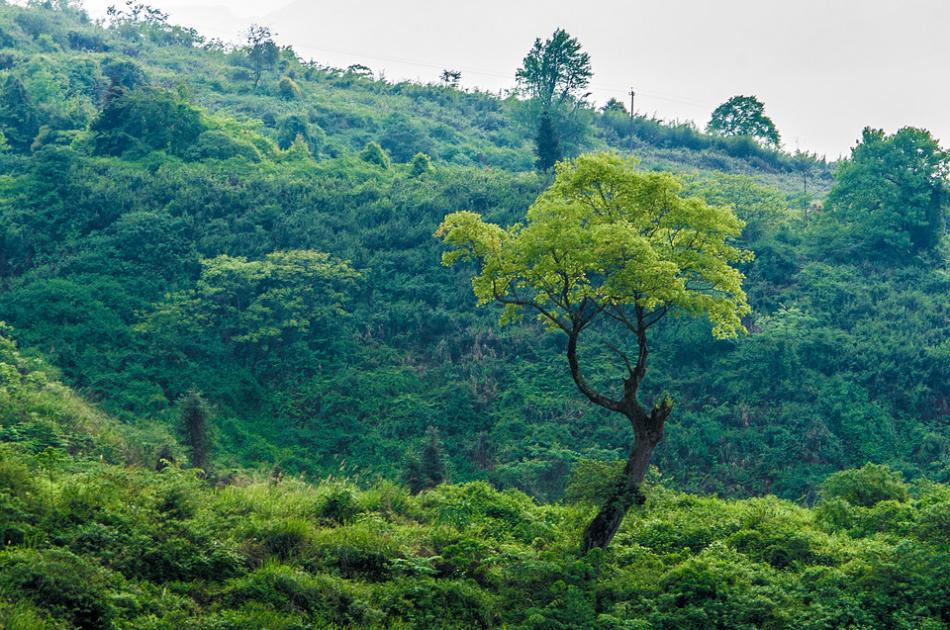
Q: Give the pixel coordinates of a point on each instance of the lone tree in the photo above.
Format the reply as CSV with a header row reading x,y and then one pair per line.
x,y
610,247
744,116
262,51
555,71
554,74
195,428
450,78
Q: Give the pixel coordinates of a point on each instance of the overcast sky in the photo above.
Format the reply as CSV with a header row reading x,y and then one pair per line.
x,y
824,68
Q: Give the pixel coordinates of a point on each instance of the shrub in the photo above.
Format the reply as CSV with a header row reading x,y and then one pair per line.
x,y
591,480
776,546
421,164
339,505
287,537
933,523
195,428
865,486
295,126
92,42
376,155
427,469
429,603
292,591
147,119
361,550
62,583
288,90
218,145
402,137
23,615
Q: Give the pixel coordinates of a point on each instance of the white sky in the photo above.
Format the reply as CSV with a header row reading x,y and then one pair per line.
x,y
824,68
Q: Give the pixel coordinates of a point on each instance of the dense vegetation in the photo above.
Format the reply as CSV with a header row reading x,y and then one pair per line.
x,y
149,247
89,543
222,258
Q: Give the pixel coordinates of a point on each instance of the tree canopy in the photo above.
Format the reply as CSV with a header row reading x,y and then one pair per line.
x,y
606,236
555,71
744,116
262,51
893,192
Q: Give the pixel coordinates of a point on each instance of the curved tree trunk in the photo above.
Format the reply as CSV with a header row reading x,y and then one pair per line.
x,y
626,491
647,426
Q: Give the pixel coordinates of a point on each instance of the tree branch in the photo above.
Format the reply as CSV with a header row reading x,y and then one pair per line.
x,y
594,396
623,355
501,299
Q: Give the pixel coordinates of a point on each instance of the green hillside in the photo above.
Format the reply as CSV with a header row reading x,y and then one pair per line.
x,y
239,389
119,208
146,173
92,539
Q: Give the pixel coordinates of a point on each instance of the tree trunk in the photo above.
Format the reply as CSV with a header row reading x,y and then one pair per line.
x,y
648,429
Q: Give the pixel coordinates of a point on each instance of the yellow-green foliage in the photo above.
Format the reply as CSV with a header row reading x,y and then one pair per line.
x,y
609,234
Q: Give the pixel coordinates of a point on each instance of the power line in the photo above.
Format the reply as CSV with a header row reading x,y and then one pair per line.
x,y
498,75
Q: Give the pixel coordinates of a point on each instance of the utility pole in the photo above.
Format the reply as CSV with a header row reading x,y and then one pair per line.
x,y
632,95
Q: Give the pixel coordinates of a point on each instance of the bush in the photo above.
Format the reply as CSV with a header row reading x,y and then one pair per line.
x,y
865,486
62,583
361,550
933,522
402,138
295,126
591,480
428,603
92,42
339,506
293,592
218,145
778,547
288,90
421,164
147,119
374,154
286,538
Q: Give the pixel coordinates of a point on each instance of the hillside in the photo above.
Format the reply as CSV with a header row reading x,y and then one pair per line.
x,y
91,543
254,372
169,220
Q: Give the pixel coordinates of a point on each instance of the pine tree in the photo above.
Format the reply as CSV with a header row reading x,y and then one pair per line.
x,y
427,468
413,475
432,461
547,145
195,428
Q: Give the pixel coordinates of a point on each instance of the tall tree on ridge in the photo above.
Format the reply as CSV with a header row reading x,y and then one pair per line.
x,y
744,116
262,51
554,74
